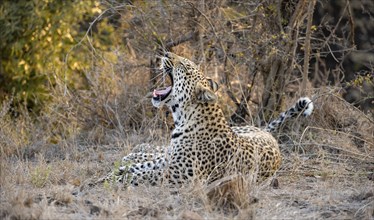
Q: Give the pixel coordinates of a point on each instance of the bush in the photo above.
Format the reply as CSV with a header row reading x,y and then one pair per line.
x,y
39,43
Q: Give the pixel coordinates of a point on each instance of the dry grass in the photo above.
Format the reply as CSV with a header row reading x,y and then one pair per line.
x,y
47,167
48,163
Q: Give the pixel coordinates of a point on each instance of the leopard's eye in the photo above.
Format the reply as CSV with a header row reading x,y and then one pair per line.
x,y
187,70
167,63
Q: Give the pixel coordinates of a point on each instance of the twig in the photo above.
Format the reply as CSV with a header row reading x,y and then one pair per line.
x,y
307,46
351,22
82,39
336,26
360,156
172,43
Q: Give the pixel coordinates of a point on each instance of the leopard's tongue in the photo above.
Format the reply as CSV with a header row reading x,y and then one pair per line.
x,y
161,92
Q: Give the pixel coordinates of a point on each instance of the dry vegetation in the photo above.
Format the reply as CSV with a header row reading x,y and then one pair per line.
x,y
327,172
50,162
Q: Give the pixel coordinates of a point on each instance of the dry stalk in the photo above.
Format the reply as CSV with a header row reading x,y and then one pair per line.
x,y
307,46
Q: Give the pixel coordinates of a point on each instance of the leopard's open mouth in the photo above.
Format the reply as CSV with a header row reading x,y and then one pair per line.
x,y
162,93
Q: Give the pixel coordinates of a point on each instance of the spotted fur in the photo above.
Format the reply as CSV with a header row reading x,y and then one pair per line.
x,y
202,145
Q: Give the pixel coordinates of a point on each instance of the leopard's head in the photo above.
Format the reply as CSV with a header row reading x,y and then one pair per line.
x,y
188,84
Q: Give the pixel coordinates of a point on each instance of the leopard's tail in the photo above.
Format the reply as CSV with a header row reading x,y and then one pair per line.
x,y
303,106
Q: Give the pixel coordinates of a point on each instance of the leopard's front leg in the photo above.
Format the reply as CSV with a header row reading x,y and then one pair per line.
x,y
150,172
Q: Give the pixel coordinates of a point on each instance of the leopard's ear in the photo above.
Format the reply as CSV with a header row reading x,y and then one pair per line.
x,y
205,94
213,85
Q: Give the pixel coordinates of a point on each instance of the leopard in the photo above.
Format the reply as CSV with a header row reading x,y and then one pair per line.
x,y
203,145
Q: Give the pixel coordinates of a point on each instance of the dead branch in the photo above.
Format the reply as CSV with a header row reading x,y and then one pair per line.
x,y
310,11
